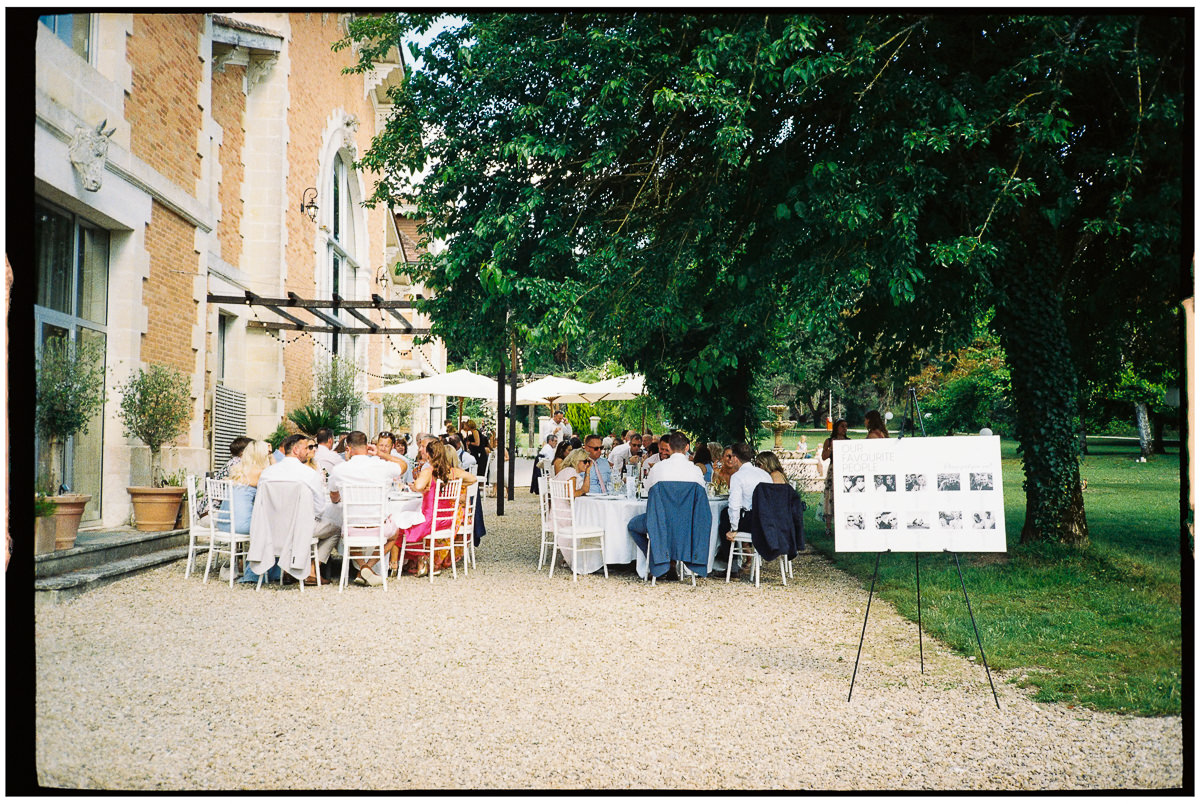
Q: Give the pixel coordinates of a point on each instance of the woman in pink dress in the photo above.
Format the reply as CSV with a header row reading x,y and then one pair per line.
x,y
437,467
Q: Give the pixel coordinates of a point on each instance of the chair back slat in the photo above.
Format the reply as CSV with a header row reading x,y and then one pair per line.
x,y
562,506
221,517
363,505
193,501
445,508
469,506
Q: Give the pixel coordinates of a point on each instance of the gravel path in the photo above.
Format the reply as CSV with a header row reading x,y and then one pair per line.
x,y
508,679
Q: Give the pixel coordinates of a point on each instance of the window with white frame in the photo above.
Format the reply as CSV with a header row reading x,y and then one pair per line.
x,y
74,29
71,257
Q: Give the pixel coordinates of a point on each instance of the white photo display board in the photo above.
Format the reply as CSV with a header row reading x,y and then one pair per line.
x,y
918,495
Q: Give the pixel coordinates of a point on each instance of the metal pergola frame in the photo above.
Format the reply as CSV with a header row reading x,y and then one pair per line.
x,y
320,307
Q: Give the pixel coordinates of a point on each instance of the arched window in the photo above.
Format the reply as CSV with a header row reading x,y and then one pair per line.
x,y
341,266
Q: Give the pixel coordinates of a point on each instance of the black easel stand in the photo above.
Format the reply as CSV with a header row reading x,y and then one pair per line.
x,y
978,641
920,637
913,407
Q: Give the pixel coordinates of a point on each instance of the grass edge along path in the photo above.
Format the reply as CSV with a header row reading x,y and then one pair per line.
x,y
1098,627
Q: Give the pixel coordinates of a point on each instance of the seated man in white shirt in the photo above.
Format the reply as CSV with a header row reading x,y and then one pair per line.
x,y
326,457
292,467
746,476
663,452
362,469
385,450
676,466
629,452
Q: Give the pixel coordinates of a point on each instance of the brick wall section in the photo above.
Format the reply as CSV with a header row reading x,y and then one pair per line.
x,y
316,89
163,111
229,111
167,293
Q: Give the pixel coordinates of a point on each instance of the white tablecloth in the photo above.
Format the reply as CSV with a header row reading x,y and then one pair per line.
x,y
613,516
406,505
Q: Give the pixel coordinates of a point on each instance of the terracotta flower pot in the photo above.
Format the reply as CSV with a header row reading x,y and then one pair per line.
x,y
66,518
156,509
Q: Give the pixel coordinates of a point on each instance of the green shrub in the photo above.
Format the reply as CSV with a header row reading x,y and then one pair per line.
x,y
310,419
335,389
156,406
43,506
278,435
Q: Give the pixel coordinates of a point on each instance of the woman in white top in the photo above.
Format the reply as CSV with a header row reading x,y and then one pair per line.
x,y
576,467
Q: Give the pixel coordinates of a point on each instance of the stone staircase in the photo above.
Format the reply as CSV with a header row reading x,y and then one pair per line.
x,y
101,557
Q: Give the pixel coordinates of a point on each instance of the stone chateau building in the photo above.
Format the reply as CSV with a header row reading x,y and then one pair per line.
x,y
183,156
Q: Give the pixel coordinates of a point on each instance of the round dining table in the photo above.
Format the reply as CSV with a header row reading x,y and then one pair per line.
x,y
612,513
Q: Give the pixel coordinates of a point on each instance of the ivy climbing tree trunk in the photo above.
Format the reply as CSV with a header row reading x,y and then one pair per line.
x,y
1034,334
1141,412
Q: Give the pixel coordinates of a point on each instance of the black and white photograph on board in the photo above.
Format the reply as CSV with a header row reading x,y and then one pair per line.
x,y
950,519
854,484
914,482
981,481
983,520
918,520
885,482
949,481
885,520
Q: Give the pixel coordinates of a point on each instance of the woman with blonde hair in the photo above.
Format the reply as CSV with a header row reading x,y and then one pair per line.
x,y
576,467
440,465
255,457
769,463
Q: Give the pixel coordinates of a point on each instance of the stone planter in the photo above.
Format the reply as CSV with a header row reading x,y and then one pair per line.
x,y
156,509
43,535
66,518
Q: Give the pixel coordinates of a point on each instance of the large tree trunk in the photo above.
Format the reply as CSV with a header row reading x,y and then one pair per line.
x,y
1034,337
1141,412
1157,422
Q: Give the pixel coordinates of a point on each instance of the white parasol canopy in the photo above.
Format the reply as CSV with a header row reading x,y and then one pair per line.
x,y
628,386
552,390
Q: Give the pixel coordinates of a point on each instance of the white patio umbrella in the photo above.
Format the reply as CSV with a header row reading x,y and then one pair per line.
x,y
628,386
551,391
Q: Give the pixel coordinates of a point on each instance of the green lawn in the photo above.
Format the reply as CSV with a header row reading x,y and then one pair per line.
x,y
1098,627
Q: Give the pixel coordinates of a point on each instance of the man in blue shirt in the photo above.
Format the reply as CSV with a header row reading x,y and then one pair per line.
x,y
601,472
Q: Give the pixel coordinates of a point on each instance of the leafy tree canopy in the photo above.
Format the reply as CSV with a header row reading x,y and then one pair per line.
x,y
691,190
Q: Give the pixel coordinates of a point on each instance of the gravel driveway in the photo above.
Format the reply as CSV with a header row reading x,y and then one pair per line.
x,y
510,679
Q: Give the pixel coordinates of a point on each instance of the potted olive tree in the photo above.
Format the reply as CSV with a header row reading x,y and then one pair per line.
x,y
70,391
155,408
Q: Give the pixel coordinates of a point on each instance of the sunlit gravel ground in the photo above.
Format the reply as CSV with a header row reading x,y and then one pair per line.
x,y
507,679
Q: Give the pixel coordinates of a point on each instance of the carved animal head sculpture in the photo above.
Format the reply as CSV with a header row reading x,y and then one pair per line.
x,y
89,153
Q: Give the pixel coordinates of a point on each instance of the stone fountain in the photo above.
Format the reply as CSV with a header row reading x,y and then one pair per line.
x,y
779,424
